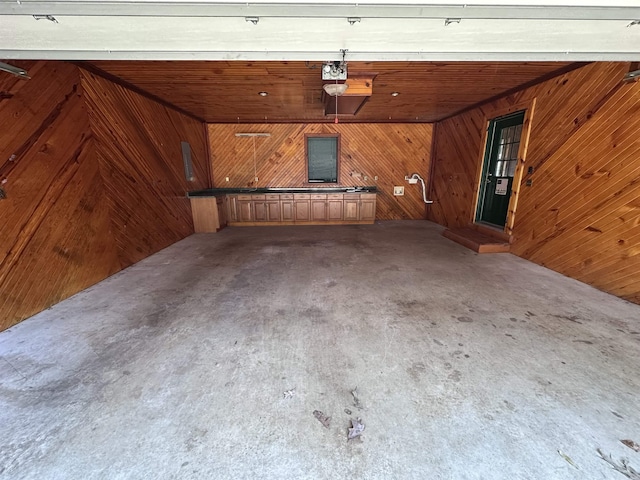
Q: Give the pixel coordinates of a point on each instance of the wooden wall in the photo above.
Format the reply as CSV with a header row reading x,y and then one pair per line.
x,y
55,219
581,215
139,153
389,151
63,207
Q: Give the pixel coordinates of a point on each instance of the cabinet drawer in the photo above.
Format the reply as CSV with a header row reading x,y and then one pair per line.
x,y
286,196
245,197
257,197
318,196
272,196
301,196
335,196
367,196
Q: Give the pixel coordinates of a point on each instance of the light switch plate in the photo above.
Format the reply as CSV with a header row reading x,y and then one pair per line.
x,y
398,191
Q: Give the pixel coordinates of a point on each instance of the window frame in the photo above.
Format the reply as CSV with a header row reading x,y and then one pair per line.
x,y
306,156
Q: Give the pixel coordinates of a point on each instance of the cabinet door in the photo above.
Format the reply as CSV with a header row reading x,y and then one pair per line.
x,y
245,211
287,210
232,208
301,210
259,211
368,209
352,207
273,211
334,210
318,210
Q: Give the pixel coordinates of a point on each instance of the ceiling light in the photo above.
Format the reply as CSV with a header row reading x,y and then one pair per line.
x,y
253,20
353,20
263,94
335,89
395,94
449,21
18,72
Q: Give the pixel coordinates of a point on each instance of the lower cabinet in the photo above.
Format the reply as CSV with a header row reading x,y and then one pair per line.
x,y
352,207
318,208
272,207
367,207
245,208
335,207
286,208
211,214
301,207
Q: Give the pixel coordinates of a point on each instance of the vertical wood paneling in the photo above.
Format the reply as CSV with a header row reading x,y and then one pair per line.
x,y
389,151
581,216
55,220
139,153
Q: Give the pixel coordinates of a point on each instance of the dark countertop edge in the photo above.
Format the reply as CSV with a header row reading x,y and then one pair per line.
x,y
212,192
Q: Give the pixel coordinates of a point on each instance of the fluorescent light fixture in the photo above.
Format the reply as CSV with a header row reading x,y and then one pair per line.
x,y
18,72
250,134
634,75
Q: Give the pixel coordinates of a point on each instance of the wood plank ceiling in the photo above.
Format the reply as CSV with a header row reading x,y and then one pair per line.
x,y
228,91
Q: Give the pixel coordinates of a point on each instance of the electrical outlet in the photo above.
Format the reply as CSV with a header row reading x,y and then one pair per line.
x,y
398,191
255,178
366,178
376,177
226,179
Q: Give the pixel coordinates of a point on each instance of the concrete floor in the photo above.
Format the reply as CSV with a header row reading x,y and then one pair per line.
x,y
466,366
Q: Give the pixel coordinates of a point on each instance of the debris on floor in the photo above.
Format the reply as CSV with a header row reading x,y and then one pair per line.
x,y
289,393
622,466
568,459
357,427
347,411
356,400
631,444
322,418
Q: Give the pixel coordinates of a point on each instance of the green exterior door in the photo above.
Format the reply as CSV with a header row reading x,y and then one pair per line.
x,y
501,160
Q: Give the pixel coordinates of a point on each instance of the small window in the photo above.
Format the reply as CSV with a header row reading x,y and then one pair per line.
x,y
323,153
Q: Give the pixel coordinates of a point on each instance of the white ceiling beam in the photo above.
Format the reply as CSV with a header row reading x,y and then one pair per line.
x,y
178,8
152,30
318,56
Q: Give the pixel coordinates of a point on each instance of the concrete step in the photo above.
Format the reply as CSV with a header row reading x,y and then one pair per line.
x,y
476,241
